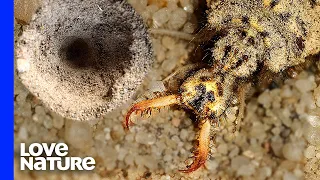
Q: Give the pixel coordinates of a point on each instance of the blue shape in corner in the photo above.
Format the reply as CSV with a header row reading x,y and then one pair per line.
x,y
7,89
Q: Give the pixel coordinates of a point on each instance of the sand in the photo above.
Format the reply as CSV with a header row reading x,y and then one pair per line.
x,y
278,139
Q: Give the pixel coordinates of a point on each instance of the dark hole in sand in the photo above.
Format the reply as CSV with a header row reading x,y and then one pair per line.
x,y
106,47
79,53
103,52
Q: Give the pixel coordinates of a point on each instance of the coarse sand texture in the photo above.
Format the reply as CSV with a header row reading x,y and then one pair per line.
x,y
278,138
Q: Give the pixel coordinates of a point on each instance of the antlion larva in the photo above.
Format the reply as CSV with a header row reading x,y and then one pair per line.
x,y
249,41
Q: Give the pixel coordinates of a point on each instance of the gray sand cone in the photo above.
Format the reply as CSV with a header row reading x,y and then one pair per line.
x,y
84,58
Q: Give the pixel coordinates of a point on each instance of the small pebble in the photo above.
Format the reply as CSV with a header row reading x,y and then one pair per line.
x,y
109,155
189,28
310,152
265,99
234,152
265,172
167,157
312,134
23,133
160,17
78,134
223,149
165,177
143,137
304,85
212,165
292,152
184,134
129,160
277,147
289,176
246,170
168,42
176,122
122,154
107,133
177,19
58,121
238,161
47,122
169,65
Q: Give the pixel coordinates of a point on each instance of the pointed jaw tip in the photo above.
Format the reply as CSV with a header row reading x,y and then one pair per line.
x,y
202,152
197,163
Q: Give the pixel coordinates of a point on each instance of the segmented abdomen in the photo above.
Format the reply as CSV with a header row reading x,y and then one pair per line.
x,y
274,33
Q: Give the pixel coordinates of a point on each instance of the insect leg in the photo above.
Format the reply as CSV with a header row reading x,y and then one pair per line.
x,y
177,34
149,105
242,97
202,151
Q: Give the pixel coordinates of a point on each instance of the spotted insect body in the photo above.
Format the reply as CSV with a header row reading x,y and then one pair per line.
x,y
250,38
277,33
200,93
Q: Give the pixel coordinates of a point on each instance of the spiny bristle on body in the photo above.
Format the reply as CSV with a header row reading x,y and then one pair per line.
x,y
202,152
203,92
250,40
149,104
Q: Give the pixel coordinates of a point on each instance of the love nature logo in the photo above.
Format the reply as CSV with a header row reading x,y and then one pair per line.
x,y
44,156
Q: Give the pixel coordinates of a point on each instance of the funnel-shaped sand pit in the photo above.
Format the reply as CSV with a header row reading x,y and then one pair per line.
x,y
84,58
